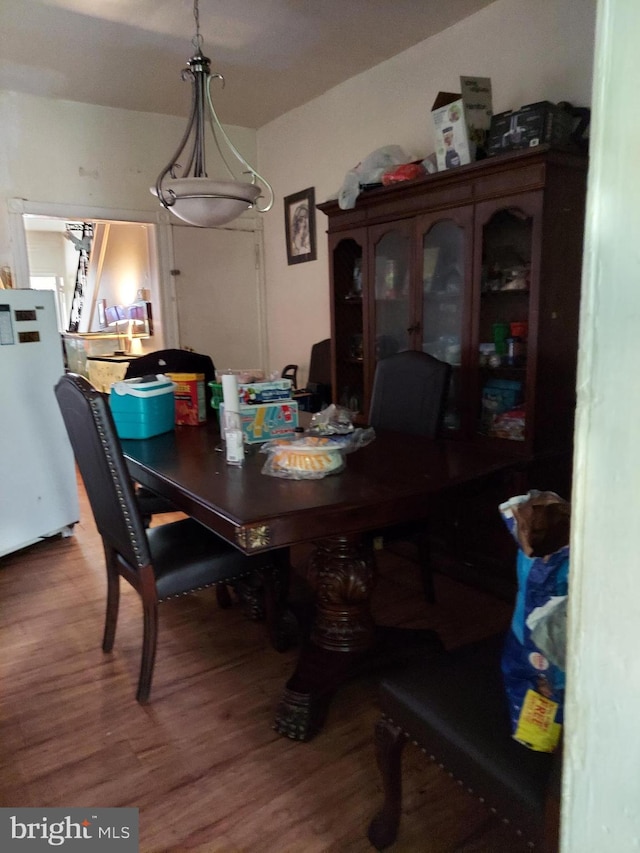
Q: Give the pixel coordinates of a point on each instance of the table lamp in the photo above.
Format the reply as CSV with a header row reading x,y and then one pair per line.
x,y
115,315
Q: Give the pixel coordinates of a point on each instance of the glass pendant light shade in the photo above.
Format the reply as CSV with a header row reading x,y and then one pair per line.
x,y
204,202
183,186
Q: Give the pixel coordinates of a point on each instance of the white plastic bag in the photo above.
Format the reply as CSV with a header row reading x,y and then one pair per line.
x,y
370,171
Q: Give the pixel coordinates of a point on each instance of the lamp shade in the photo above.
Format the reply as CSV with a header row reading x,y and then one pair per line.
x,y
205,202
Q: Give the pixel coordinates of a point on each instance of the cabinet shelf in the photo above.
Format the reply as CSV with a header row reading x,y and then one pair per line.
x,y
489,294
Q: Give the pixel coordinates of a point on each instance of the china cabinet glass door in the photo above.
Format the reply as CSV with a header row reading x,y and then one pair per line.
x,y
392,325
347,274
445,297
508,279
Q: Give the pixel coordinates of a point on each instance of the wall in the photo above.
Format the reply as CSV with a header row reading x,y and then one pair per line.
x,y
602,783
83,155
125,265
531,52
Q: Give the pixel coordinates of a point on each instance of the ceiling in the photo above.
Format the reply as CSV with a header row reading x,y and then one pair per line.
x,y
274,54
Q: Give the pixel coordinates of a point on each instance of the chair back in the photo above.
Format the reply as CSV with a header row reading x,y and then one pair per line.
x,y
319,382
409,393
290,371
98,453
174,361
320,363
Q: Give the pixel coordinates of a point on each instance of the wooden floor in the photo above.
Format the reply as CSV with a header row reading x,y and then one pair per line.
x,y
201,761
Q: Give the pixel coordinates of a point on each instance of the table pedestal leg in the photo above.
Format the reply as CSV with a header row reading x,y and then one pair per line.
x,y
343,574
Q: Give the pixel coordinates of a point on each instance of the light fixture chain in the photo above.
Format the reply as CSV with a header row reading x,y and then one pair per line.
x,y
197,39
183,186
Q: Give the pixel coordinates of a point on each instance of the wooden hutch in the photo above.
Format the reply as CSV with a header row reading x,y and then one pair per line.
x,y
479,266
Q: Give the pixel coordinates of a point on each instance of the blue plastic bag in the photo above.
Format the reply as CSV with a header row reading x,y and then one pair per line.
x,y
539,522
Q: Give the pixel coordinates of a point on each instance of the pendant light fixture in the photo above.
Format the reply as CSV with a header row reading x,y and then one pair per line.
x,y
183,186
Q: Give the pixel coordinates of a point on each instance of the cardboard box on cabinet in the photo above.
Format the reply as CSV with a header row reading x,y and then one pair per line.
x,y
461,122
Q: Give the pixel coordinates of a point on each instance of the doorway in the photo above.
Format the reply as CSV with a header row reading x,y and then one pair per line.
x,y
26,218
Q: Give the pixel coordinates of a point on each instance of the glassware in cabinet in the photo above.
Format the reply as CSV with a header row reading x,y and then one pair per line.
x,y
504,309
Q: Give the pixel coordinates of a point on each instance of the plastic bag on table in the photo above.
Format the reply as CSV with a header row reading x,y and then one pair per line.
x,y
306,458
534,683
332,420
312,457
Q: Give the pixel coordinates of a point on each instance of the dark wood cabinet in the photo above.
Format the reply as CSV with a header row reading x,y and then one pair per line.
x,y
481,267
486,255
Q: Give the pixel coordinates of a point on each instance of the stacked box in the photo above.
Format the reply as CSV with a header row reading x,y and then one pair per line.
x,y
264,421
265,392
190,404
142,409
255,392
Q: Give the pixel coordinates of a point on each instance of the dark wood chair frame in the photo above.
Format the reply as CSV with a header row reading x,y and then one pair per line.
x,y
163,562
420,707
409,395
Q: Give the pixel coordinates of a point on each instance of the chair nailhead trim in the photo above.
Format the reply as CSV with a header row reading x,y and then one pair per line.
x,y
505,820
135,543
207,586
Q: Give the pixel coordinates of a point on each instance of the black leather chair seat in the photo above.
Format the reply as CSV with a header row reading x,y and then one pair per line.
x,y
185,556
455,708
173,559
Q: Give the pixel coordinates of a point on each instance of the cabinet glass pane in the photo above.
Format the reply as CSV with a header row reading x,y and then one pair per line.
x,y
443,277
349,324
503,324
392,294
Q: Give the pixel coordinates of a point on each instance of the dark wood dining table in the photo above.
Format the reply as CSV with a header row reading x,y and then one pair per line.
x,y
394,479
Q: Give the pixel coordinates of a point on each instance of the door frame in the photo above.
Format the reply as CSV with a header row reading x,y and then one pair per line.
x,y
160,252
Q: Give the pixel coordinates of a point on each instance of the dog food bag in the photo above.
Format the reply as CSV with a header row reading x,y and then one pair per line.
x,y
534,683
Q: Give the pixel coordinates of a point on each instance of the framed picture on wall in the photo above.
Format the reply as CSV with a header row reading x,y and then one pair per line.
x,y
300,226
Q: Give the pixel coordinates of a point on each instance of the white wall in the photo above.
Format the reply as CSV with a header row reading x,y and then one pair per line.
x,y
532,51
83,155
602,781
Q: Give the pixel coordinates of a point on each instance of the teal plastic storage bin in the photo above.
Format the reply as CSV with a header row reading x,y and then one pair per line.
x,y
143,409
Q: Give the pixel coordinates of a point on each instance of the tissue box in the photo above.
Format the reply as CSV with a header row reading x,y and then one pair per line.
x,y
190,404
142,409
255,392
263,421
265,392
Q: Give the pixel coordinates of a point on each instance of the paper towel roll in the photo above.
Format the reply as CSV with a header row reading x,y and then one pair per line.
x,y
230,392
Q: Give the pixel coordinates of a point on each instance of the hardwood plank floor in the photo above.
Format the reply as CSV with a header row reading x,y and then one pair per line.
x,y
201,761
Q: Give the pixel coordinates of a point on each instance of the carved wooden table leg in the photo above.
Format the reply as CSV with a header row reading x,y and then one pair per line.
x,y
342,572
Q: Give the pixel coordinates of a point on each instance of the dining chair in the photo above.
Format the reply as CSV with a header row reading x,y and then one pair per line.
x,y
174,361
168,361
161,562
453,706
290,371
317,392
319,381
409,395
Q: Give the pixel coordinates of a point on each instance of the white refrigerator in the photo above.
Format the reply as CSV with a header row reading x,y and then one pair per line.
x,y
38,490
